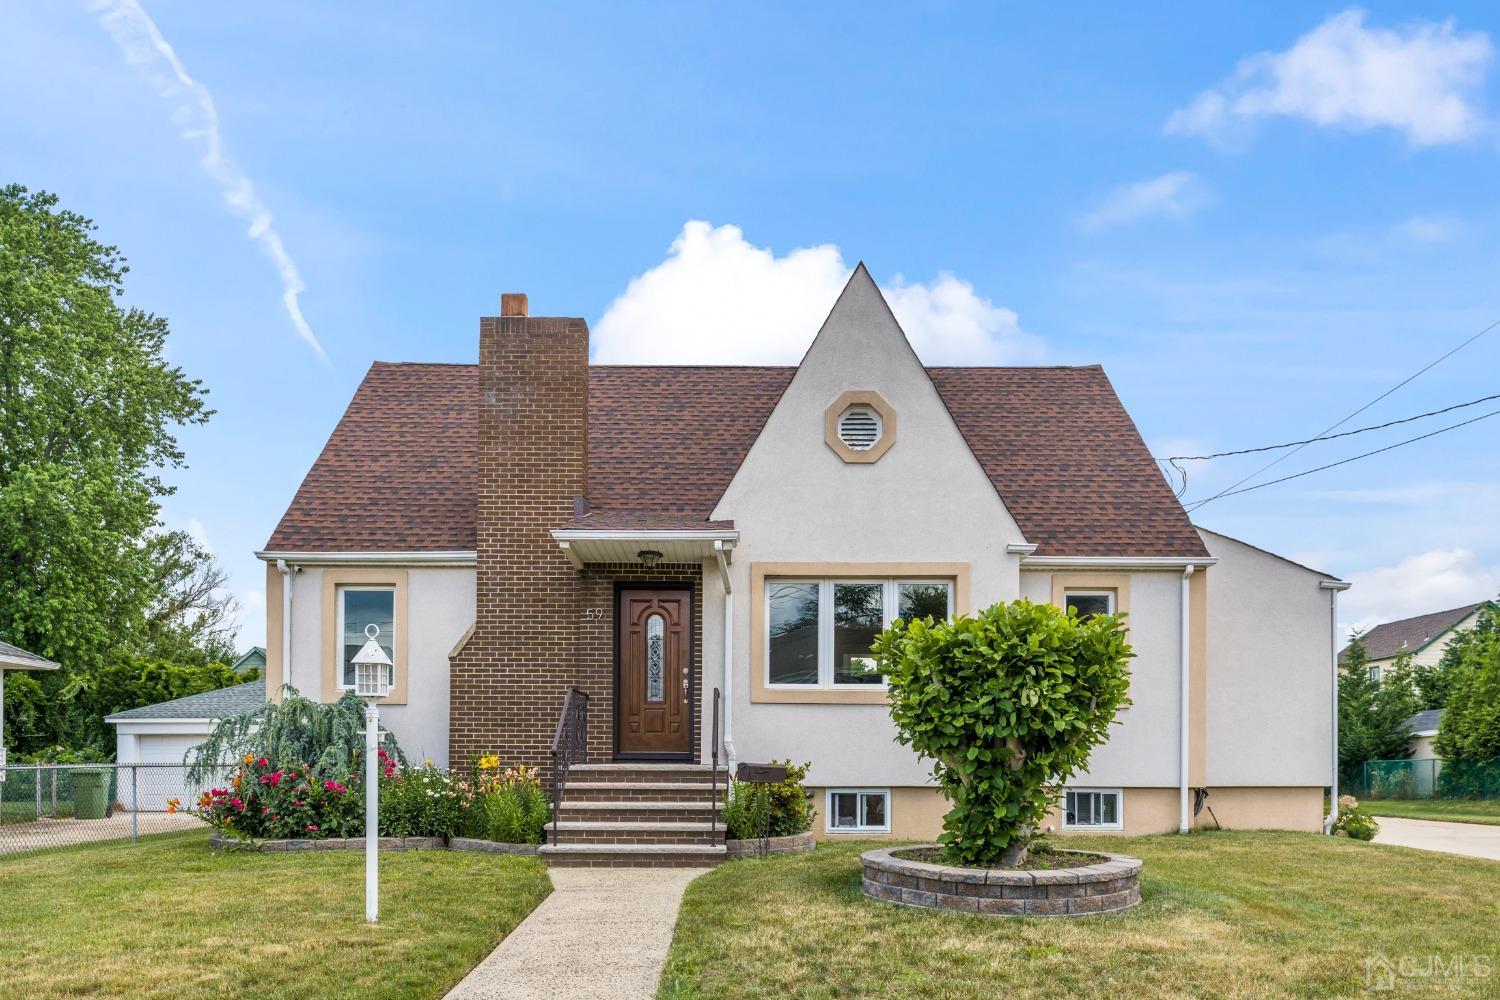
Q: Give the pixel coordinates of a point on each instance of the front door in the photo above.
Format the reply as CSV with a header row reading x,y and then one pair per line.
x,y
654,632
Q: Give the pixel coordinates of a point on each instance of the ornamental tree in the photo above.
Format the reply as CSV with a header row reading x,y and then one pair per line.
x,y
1008,703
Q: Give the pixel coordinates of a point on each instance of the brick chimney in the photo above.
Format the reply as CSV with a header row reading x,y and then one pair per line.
x,y
506,686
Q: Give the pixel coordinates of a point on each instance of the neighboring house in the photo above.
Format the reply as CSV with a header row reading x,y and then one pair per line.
x,y
1425,637
15,658
1423,728
660,536
162,734
254,659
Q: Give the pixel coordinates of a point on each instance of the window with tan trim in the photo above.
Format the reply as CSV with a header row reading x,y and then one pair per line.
x,y
819,632
815,658
352,599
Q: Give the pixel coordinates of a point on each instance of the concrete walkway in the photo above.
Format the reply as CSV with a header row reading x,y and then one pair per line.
x,y
1476,840
601,935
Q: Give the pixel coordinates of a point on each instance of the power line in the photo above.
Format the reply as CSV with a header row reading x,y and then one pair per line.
x,y
1234,487
1354,458
1331,437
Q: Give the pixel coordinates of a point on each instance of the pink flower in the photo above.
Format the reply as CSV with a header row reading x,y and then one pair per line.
x,y
335,787
312,828
238,803
264,810
263,763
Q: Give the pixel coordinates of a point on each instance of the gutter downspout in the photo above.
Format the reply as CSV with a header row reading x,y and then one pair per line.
x,y
1333,587
288,572
1184,816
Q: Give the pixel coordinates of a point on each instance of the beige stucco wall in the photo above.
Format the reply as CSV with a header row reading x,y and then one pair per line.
x,y
440,607
1422,749
917,813
794,500
1269,682
1143,747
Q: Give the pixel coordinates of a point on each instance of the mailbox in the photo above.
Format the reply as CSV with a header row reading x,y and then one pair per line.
x,y
760,774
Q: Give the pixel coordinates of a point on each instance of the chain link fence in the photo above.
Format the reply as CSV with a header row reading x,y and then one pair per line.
x,y
55,805
1427,779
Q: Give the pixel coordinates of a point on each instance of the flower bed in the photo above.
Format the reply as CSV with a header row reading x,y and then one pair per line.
x,y
1109,887
797,843
386,844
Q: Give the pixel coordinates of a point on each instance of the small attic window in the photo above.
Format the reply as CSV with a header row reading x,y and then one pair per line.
x,y
860,427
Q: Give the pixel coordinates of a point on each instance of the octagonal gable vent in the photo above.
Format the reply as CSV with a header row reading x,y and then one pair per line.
x,y
859,428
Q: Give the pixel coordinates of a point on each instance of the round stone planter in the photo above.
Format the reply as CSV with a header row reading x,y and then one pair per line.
x,y
386,844
1106,887
797,843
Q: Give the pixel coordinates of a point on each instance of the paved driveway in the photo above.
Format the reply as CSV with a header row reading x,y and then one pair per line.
x,y
1476,840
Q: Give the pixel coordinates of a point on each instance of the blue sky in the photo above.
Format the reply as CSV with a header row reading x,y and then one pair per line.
x,y
1256,220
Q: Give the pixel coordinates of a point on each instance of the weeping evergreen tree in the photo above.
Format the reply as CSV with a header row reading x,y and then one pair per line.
x,y
295,731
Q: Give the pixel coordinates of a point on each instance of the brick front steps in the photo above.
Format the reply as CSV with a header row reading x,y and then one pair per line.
x,y
638,815
1108,887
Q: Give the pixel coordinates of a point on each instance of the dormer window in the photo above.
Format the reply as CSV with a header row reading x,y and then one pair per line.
x,y
859,426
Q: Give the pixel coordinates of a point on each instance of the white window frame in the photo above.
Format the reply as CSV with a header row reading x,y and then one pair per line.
x,y
1375,672
1118,793
859,810
339,591
1108,595
891,600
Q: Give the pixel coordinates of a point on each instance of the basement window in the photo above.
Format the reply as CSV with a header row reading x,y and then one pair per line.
x,y
859,810
1093,809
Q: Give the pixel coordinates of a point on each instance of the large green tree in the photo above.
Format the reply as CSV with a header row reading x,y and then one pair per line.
x,y
1371,712
1470,728
88,410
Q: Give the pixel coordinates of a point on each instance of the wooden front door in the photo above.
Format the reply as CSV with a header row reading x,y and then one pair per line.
x,y
654,630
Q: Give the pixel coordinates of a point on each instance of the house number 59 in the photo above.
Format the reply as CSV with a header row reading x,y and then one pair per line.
x,y
593,614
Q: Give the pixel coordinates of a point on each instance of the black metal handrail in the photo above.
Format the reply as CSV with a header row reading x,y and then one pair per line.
x,y
713,814
569,745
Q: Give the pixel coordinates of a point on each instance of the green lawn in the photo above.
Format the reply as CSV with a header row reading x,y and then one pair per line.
x,y
1451,810
170,918
1223,914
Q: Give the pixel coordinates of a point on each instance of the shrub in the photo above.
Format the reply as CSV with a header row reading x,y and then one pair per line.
x,y
781,808
1008,704
263,799
295,731
508,806
1470,727
422,802
1354,822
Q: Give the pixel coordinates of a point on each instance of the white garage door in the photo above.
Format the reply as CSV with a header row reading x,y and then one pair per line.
x,y
168,777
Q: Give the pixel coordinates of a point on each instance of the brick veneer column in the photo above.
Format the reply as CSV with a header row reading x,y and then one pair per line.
x,y
507,684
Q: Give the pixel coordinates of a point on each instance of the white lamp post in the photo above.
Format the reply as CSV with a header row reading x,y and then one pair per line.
x,y
372,682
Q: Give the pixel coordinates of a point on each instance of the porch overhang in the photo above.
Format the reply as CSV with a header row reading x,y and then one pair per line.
x,y
593,546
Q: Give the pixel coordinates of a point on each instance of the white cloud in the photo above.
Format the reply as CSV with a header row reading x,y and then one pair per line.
x,y
717,299
142,44
199,534
1176,195
1430,581
1422,80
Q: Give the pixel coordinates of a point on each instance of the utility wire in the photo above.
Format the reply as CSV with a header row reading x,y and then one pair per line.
x,y
1354,458
1331,437
1234,487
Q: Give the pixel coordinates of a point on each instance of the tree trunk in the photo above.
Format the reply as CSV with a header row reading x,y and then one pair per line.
x,y
1014,855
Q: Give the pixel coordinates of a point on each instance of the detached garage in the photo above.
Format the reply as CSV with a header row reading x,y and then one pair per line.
x,y
163,733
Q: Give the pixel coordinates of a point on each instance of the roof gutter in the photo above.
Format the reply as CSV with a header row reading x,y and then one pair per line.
x,y
644,535
454,557
1334,588
15,663
1117,562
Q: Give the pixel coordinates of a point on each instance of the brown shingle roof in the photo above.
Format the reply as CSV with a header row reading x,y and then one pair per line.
x,y
398,473
1411,634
